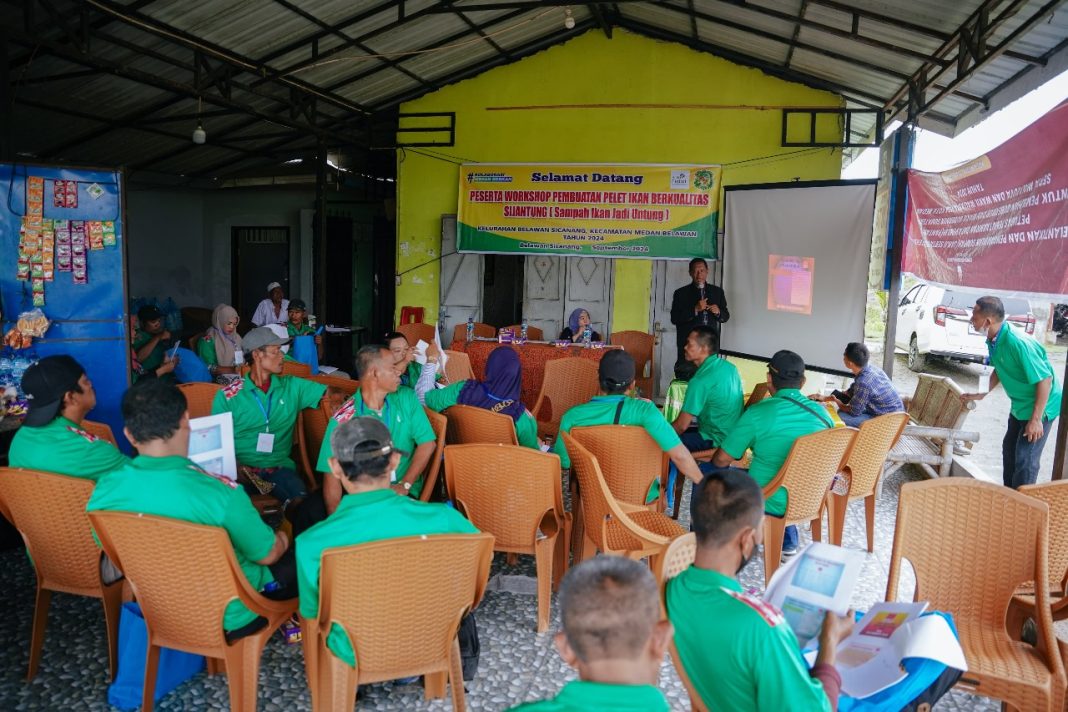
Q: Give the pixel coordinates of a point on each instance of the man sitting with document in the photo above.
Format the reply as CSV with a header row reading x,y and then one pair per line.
x,y
740,651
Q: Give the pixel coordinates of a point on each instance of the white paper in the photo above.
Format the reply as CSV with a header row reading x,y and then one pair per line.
x,y
211,444
337,329
327,370
421,347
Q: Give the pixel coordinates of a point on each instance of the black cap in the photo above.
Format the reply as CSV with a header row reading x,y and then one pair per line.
x,y
297,305
361,439
45,383
616,367
787,365
148,312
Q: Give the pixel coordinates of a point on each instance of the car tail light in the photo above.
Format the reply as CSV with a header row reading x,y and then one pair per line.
x,y
940,314
1027,321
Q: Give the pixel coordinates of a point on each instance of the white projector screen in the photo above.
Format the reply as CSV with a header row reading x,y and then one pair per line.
x,y
795,268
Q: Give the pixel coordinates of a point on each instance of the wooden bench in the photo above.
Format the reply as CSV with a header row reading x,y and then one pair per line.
x,y
936,422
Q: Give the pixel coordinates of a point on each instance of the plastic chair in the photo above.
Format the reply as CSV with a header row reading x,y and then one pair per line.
x,y
482,331
417,331
641,346
49,512
864,468
629,458
533,332
1055,495
200,397
567,382
806,474
615,527
676,559
439,423
413,592
183,576
971,545
470,424
524,514
347,386
311,424
457,366
296,368
411,315
759,393
100,430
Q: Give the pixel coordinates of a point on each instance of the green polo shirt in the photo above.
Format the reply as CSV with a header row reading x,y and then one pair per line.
x,y
411,374
403,415
64,448
526,428
770,428
175,487
359,519
155,359
303,330
1021,363
714,395
739,652
584,695
273,412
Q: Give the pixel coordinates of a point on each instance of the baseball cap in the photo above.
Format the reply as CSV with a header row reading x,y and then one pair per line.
x,y
361,439
297,305
45,383
149,312
260,337
787,364
617,367
272,285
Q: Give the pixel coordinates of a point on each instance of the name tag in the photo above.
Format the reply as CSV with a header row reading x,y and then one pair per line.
x,y
239,357
265,442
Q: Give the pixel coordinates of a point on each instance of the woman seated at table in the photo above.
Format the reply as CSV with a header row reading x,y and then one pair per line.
x,y
576,324
220,347
498,392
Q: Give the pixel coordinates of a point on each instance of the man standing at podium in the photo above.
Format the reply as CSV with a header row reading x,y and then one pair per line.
x,y
696,304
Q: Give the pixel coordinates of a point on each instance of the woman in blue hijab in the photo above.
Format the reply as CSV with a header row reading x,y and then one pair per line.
x,y
497,392
576,323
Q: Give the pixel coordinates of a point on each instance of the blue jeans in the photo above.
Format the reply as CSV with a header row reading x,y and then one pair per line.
x,y
854,421
1019,458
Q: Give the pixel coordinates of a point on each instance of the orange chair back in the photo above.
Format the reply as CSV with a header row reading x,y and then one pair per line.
x,y
100,430
677,558
470,424
567,382
411,315
808,470
875,438
533,332
347,386
440,425
416,332
630,459
199,396
457,366
640,345
482,331
759,393
296,368
1055,495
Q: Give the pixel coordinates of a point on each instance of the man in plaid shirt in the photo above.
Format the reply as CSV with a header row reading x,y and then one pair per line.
x,y
871,394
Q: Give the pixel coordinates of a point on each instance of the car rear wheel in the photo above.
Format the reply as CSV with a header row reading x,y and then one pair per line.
x,y
916,360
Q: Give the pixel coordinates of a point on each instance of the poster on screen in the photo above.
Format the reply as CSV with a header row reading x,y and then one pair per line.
x,y
578,209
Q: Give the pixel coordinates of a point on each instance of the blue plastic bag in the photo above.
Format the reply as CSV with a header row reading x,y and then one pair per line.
x,y
190,368
303,349
175,667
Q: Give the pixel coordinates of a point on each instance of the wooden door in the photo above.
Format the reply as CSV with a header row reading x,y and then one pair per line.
x,y
461,283
589,286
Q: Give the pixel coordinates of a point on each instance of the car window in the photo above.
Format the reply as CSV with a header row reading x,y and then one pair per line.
x,y
911,296
960,300
921,295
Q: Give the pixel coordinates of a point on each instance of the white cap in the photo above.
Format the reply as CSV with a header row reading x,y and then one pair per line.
x,y
272,285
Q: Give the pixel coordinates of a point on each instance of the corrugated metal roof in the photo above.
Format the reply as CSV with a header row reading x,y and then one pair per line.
x,y
274,74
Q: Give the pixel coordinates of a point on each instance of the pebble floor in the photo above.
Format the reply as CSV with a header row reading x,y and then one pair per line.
x,y
517,665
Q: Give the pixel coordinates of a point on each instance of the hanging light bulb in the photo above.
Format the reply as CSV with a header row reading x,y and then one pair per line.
x,y
199,134
569,21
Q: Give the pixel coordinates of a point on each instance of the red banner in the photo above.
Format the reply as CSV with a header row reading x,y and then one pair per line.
x,y
1000,221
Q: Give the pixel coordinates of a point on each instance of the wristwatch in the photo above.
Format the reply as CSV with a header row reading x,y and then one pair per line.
x,y
407,486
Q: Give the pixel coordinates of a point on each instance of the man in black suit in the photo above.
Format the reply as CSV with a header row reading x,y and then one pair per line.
x,y
698,303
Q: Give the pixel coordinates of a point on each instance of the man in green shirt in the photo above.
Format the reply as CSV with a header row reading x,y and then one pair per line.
x,y
162,481
614,406
363,457
51,437
297,325
150,339
770,427
1022,366
265,406
737,650
713,396
613,636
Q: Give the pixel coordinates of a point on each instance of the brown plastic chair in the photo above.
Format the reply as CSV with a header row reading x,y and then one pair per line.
x,y
311,424
416,332
864,468
629,458
100,430
49,512
1055,495
199,396
470,424
183,576
759,393
971,545
806,474
676,559
567,382
641,346
457,366
413,591
347,386
296,368
533,332
514,493
440,425
482,331
615,527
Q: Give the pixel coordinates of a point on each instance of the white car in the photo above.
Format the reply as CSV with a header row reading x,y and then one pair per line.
x,y
934,321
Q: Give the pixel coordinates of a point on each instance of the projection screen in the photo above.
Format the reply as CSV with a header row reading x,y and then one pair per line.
x,y
795,268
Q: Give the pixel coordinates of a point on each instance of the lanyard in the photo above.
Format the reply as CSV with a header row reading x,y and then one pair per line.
x,y
266,411
383,416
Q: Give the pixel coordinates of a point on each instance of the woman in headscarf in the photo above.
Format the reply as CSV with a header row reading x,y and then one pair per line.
x,y
220,348
576,324
497,392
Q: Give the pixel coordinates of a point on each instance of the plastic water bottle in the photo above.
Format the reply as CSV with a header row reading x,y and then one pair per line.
x,y
7,368
470,329
587,336
523,329
18,367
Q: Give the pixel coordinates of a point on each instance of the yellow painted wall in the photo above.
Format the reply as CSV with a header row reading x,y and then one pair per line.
x,y
591,69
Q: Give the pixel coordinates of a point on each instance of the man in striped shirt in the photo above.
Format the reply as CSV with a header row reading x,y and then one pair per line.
x,y
871,394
